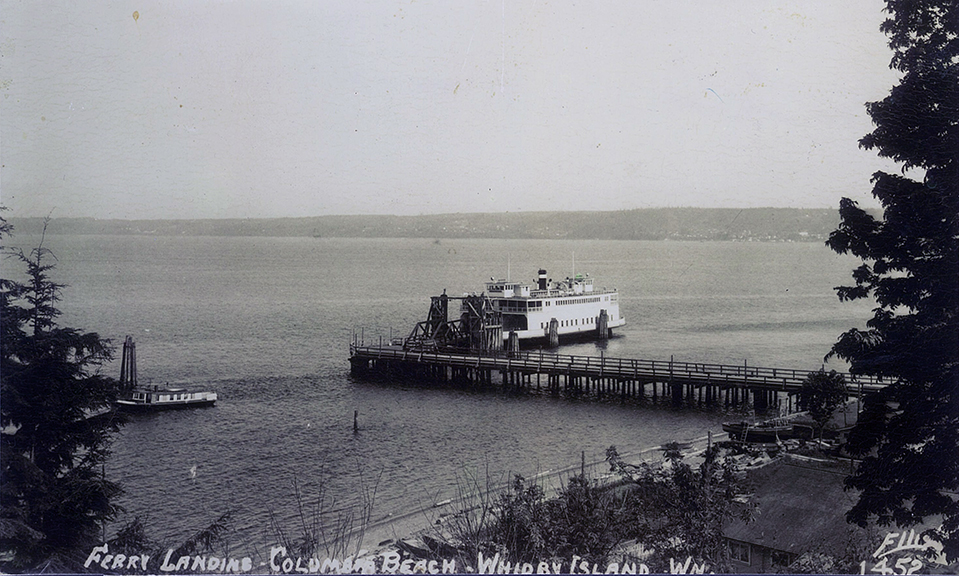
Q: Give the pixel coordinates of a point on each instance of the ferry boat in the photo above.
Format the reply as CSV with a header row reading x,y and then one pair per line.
x,y
577,308
136,399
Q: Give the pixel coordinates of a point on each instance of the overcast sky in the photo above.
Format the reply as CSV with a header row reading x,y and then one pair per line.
x,y
199,109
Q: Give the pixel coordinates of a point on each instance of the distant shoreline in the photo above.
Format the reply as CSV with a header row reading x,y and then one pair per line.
x,y
747,224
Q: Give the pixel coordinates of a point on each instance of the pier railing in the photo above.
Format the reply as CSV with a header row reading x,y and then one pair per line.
x,y
539,362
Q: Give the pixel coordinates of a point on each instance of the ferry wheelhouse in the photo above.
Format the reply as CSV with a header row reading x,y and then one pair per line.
x,y
576,307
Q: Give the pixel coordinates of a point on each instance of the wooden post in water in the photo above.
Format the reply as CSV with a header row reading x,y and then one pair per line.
x,y
356,426
513,341
128,365
123,365
553,333
602,325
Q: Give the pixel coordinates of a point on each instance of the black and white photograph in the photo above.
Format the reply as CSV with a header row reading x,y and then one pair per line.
x,y
479,287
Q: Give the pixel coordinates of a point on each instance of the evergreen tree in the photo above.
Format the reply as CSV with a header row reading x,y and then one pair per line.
x,y
55,423
908,434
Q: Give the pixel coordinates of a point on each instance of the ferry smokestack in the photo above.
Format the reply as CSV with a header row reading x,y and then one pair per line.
x,y
542,279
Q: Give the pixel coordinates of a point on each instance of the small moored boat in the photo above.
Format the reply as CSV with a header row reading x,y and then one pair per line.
x,y
769,431
135,398
164,399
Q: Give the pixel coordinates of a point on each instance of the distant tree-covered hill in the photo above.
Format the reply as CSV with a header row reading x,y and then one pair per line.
x,y
775,224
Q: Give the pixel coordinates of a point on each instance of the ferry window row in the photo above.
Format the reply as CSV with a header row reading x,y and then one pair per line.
x,y
578,301
507,304
574,322
519,305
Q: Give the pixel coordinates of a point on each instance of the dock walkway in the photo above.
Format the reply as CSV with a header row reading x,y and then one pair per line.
x,y
603,376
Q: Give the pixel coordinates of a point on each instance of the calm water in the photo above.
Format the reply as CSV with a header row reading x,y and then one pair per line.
x,y
267,323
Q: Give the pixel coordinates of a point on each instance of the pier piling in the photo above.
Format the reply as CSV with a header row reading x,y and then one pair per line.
x,y
602,325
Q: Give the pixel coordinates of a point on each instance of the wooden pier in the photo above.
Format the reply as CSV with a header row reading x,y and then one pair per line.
x,y
626,378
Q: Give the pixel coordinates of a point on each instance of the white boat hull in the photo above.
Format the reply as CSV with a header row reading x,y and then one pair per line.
x,y
153,400
565,332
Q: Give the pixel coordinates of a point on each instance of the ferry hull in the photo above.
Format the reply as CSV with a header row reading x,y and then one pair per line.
x,y
536,337
131,406
543,341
